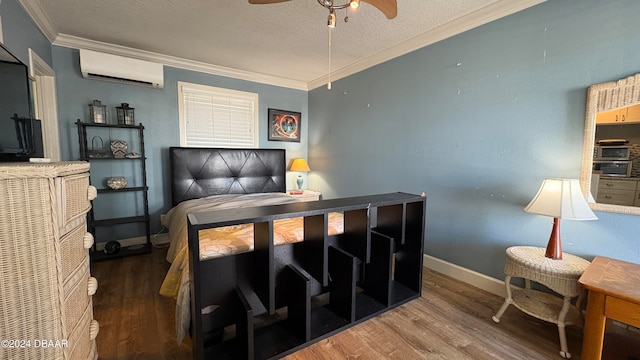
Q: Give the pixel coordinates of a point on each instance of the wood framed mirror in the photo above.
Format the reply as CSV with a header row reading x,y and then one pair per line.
x,y
611,114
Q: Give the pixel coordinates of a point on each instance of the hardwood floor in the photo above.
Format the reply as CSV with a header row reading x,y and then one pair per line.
x,y
451,320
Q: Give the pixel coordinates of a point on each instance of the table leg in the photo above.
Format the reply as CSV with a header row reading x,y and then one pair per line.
x,y
579,300
594,327
507,300
564,350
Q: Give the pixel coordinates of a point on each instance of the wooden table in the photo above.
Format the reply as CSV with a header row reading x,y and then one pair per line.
x,y
614,292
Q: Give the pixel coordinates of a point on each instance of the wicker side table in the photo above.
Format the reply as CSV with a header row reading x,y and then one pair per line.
x,y
561,276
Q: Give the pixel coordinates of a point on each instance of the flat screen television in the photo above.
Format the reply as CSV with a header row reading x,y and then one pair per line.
x,y
20,134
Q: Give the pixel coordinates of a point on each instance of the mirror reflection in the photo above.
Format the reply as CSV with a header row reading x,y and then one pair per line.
x,y
616,158
611,159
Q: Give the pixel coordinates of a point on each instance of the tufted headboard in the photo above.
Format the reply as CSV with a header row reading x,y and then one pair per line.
x,y
200,172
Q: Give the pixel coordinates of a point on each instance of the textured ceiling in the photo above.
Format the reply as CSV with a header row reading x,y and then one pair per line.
x,y
286,40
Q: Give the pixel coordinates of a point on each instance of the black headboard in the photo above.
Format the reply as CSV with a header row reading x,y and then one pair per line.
x,y
200,172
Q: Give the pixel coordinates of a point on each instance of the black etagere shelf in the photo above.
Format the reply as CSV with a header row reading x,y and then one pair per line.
x,y
103,156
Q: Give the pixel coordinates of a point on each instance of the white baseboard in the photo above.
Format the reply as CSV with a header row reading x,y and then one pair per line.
x,y
140,240
470,277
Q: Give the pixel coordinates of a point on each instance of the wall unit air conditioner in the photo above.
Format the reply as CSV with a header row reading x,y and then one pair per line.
x,y
114,68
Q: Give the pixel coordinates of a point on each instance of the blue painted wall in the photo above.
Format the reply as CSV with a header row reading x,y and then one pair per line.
x,y
20,33
477,121
157,109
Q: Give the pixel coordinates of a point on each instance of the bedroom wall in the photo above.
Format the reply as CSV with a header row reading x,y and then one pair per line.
x,y
157,109
477,121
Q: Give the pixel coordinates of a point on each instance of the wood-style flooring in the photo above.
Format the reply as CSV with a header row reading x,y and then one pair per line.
x,y
451,320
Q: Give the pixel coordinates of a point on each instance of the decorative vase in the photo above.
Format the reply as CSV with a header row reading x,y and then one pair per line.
x,y
118,148
117,182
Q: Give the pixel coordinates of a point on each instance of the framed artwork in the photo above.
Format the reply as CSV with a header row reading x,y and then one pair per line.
x,y
284,125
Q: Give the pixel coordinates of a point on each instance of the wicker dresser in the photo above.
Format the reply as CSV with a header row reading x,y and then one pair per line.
x,y
46,310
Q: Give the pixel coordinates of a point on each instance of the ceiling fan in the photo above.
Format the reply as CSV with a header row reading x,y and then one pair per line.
x,y
388,7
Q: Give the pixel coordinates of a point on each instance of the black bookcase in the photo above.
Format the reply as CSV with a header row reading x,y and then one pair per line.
x,y
103,163
308,290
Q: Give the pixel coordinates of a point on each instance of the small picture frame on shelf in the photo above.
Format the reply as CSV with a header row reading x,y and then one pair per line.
x,y
284,125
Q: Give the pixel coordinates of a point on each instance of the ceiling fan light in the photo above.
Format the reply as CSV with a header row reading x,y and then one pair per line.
x,y
326,3
354,4
331,20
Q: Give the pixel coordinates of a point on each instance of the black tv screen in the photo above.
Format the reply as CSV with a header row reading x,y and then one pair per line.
x,y
16,124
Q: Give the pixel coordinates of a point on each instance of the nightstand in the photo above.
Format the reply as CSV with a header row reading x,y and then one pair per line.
x,y
307,195
561,276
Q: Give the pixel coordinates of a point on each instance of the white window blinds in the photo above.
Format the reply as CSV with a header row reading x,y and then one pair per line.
x,y
216,117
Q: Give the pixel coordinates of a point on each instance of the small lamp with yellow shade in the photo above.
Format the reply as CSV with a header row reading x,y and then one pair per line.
x,y
299,165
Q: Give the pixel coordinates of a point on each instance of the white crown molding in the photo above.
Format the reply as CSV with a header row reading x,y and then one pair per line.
x,y
40,17
483,16
75,42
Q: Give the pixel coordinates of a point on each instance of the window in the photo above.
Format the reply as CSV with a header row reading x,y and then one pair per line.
x,y
216,117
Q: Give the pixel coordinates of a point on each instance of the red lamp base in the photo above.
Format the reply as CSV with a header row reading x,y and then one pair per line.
x,y
554,247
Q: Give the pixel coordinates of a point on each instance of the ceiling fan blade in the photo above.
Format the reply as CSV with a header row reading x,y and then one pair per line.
x,y
388,7
265,1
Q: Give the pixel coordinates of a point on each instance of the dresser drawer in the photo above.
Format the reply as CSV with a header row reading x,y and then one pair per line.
x,y
74,200
82,344
77,294
616,197
74,250
616,184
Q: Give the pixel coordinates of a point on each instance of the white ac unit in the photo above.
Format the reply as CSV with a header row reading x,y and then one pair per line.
x,y
114,68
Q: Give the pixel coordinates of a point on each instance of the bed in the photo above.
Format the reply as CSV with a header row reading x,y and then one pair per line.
x,y
327,264
220,179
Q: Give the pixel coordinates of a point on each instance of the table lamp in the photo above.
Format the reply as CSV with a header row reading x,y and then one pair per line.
x,y
299,165
561,199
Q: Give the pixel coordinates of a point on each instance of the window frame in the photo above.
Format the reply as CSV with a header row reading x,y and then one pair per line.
x,y
221,92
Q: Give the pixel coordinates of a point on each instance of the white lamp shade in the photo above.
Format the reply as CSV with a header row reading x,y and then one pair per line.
x,y
561,198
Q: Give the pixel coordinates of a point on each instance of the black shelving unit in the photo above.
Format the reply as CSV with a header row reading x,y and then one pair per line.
x,y
87,153
324,283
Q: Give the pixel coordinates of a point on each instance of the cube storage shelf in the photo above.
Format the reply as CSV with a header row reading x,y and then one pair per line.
x,y
282,298
142,216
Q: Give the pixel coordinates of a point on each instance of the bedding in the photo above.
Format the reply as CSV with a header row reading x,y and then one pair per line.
x,y
222,241
176,218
